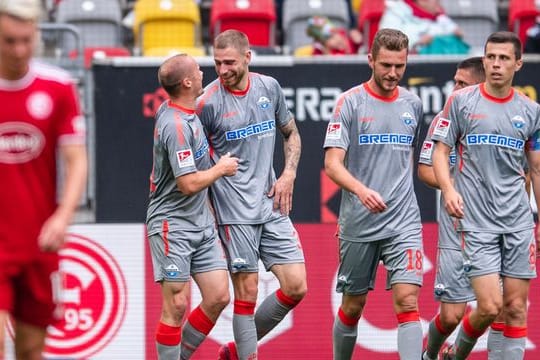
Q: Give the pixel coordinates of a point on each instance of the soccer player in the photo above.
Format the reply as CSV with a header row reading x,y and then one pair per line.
x,y
181,230
490,124
241,111
39,116
452,287
369,153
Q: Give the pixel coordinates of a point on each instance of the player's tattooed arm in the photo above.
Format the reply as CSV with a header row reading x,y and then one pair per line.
x,y
292,145
283,188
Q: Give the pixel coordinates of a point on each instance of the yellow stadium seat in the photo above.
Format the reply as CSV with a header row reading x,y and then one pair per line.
x,y
305,50
166,24
169,51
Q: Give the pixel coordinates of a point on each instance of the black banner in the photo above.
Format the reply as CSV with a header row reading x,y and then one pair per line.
x,y
126,96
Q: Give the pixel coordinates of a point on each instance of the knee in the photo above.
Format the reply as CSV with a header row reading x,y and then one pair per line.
x,y
406,303
220,301
296,291
450,319
489,309
516,310
175,308
353,308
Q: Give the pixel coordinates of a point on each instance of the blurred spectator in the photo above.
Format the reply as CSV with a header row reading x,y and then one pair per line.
x,y
329,39
429,29
532,43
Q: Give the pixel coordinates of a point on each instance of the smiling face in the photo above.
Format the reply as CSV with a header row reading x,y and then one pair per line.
x,y
232,67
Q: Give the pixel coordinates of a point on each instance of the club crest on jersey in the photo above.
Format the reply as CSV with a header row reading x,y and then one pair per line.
x,y
518,122
408,119
442,127
185,158
39,105
333,132
263,102
427,150
172,270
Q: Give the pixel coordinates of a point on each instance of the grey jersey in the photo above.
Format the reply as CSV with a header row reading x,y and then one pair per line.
x,y
180,148
490,136
244,124
378,136
448,237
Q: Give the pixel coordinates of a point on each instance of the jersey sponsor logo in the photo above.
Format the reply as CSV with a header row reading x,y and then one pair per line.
x,y
442,127
427,150
93,298
250,130
493,139
408,119
185,158
202,150
264,103
20,142
333,131
518,122
39,105
393,139
452,158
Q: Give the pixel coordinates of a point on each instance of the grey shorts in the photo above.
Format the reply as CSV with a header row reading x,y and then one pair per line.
x,y
451,283
402,256
181,253
512,254
274,242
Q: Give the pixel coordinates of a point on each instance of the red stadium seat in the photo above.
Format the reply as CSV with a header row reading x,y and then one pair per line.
x,y
256,18
369,16
521,16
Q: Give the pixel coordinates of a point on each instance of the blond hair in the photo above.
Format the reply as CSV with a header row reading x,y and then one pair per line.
x,y
30,10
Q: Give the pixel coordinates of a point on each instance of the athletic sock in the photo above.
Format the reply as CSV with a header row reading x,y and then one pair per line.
x,y
466,339
515,339
195,330
344,335
495,341
271,311
168,341
437,335
245,333
409,335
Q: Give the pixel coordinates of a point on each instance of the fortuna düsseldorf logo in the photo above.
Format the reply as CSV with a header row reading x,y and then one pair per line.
x,y
93,298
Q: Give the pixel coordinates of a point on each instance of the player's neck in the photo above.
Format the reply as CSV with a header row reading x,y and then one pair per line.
x,y
185,102
13,74
495,91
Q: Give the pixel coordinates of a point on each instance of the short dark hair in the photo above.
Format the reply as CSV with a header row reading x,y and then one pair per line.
x,y
171,73
475,65
502,37
390,39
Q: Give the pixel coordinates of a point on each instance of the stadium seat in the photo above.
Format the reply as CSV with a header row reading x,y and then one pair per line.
x,y
477,19
521,16
369,16
256,18
296,14
99,21
166,24
305,50
169,51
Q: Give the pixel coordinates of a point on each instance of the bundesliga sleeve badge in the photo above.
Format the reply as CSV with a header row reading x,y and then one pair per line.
x,y
185,158
442,127
333,132
427,150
